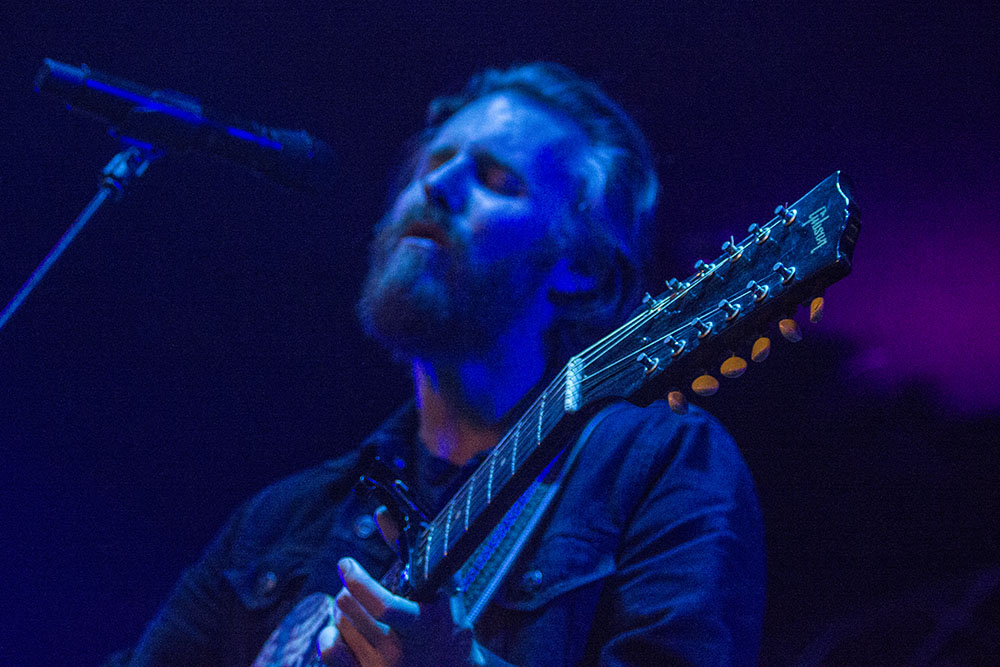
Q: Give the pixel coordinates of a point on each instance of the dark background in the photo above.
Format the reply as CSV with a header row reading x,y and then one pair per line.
x,y
199,341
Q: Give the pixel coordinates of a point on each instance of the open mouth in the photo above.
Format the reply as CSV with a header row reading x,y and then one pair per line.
x,y
426,230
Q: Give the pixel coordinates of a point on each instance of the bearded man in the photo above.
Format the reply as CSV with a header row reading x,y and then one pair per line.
x,y
516,240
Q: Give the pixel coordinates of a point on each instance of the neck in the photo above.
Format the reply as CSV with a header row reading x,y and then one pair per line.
x,y
462,403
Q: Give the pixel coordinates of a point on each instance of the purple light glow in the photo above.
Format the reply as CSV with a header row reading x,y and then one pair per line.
x,y
922,297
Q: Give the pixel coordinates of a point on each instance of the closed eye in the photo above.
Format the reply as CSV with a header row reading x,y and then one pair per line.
x,y
499,178
436,159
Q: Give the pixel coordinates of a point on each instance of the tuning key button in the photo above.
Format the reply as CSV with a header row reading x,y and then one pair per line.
x,y
677,402
731,309
786,214
649,301
733,367
787,273
703,328
759,291
816,309
790,330
761,349
648,363
705,385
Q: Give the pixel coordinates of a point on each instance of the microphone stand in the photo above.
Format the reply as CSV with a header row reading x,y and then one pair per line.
x,y
131,162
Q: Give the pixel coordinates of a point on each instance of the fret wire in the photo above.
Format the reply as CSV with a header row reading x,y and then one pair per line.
x,y
447,528
468,501
541,413
489,481
513,458
427,558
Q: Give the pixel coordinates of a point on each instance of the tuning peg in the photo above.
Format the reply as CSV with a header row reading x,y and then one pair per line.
x,y
705,385
675,285
786,272
677,402
731,309
816,309
761,234
676,346
704,328
648,363
731,249
649,301
786,214
733,367
759,291
761,349
790,330
703,268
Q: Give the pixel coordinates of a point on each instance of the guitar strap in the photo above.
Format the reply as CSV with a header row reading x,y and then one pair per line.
x,y
481,575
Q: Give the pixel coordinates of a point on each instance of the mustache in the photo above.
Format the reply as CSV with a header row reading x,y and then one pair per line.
x,y
421,221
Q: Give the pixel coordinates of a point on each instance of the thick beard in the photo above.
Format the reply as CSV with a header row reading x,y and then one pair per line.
x,y
432,304
405,301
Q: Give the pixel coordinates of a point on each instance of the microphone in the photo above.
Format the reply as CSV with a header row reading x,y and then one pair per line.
x,y
163,119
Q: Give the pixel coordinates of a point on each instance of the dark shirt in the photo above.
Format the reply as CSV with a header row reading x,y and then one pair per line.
x,y
651,553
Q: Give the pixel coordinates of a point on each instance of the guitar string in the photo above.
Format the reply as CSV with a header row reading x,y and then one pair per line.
x,y
738,253
609,367
601,347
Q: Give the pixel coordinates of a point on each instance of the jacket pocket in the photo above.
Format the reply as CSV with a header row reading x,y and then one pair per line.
x,y
559,565
261,582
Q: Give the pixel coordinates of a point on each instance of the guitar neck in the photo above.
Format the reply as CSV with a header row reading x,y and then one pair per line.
x,y
452,536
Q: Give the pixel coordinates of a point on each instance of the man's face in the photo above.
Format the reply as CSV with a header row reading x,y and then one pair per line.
x,y
470,243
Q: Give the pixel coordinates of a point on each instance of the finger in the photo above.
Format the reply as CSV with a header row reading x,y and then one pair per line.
x,y
362,650
332,649
381,604
372,630
387,526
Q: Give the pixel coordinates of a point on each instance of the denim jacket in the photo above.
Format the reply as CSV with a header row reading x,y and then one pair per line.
x,y
652,553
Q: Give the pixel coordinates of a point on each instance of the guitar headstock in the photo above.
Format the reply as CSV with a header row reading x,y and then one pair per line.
x,y
694,329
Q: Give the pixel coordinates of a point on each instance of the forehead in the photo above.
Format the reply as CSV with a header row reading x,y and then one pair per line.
x,y
512,125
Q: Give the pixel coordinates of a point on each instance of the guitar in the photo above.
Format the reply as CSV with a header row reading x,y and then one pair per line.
x,y
696,324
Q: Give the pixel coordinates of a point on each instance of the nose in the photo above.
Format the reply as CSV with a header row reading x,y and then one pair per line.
x,y
443,187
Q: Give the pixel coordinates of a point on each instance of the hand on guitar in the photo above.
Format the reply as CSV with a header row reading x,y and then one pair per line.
x,y
374,627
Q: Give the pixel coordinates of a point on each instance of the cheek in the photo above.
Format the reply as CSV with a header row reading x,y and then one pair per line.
x,y
504,230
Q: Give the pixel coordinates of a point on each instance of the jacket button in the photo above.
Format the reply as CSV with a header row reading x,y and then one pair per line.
x,y
531,580
364,526
266,583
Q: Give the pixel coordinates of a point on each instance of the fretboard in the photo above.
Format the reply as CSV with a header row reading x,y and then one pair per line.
x,y
491,478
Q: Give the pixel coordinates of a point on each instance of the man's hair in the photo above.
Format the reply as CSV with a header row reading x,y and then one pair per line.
x,y
617,199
